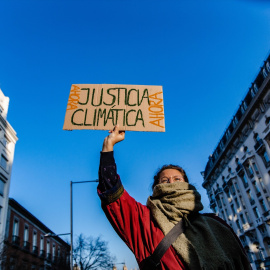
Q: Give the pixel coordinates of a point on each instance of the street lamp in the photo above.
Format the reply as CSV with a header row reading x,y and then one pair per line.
x,y
53,234
71,217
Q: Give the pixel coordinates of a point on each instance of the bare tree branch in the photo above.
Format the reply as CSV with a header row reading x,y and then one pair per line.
x,y
92,253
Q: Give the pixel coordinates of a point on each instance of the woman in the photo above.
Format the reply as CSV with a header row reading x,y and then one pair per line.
x,y
207,241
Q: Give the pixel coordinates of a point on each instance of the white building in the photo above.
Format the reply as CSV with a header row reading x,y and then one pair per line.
x,y
237,175
8,140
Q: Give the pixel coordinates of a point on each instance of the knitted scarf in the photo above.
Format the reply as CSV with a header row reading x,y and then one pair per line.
x,y
206,243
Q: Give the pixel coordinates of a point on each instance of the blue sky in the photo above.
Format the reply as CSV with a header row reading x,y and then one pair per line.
x,y
205,54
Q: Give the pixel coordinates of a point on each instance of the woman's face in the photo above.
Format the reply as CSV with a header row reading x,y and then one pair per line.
x,y
170,176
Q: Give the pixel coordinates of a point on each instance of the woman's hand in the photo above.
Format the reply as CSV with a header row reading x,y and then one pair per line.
x,y
115,136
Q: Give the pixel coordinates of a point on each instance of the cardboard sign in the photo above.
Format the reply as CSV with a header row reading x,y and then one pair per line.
x,y
102,106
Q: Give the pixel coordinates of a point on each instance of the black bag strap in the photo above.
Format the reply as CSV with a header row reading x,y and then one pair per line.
x,y
153,260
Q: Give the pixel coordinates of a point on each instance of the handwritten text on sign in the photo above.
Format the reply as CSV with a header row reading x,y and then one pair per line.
x,y
102,106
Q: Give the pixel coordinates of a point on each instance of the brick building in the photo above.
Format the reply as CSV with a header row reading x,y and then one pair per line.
x,y
27,244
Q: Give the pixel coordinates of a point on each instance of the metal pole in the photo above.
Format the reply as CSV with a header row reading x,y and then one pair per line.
x,y
71,219
71,228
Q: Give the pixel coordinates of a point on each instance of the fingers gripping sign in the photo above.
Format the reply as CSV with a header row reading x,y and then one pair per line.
x,y
114,137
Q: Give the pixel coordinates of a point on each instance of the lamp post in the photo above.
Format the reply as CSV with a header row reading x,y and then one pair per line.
x,y
71,217
53,234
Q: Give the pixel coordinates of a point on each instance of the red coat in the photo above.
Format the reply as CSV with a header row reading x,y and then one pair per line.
x,y
135,225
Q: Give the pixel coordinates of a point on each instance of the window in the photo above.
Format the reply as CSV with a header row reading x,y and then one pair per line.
x,y
238,224
256,187
243,239
248,217
237,203
243,107
264,72
243,220
262,184
267,66
256,137
250,171
250,197
232,189
256,212
26,233
219,202
228,193
262,229
3,162
16,227
255,168
237,187
2,187
53,250
242,202
34,239
255,87
222,199
268,200
264,208
48,247
244,180
6,141
233,209
41,245
265,158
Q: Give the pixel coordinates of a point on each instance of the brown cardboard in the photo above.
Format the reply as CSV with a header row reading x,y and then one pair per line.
x,y
102,106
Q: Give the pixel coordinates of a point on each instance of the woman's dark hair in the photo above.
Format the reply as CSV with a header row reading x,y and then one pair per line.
x,y
165,167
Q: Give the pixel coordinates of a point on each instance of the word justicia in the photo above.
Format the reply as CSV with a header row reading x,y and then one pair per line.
x,y
108,97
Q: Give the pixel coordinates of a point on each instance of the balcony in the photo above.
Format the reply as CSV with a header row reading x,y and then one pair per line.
x,y
49,257
259,221
26,245
266,215
239,169
35,250
267,262
212,203
42,254
15,240
259,144
258,264
246,226
263,264
218,191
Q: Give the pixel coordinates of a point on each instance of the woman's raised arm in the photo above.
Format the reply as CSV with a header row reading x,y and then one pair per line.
x,y
115,136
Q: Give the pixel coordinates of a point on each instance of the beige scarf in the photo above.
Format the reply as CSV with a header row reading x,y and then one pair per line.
x,y
206,243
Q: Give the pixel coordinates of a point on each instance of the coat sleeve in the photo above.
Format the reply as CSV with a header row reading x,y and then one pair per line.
x,y
130,219
133,223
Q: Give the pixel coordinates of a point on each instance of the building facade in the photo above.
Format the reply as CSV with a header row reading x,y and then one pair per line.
x,y
8,140
237,174
30,245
